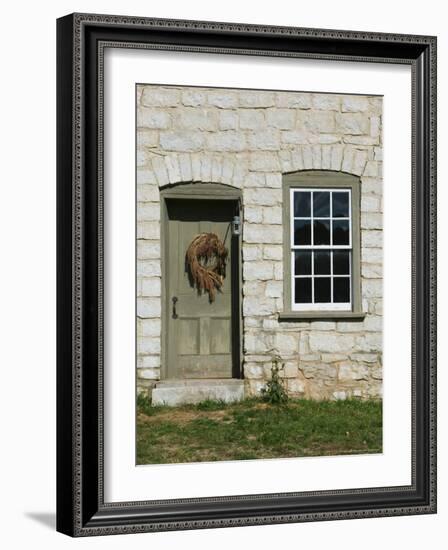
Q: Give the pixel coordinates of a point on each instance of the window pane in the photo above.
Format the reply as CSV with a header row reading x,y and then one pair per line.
x,y
302,204
302,232
321,232
322,289
341,262
341,289
303,290
321,204
340,204
341,233
302,262
322,262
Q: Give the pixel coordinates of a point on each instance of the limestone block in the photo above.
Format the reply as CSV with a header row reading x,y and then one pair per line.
x,y
294,137
349,372
293,100
307,155
258,271
371,185
148,250
253,288
148,212
286,344
364,357
371,169
371,238
359,161
148,230
297,159
147,138
149,374
148,193
352,326
336,157
264,162
316,121
193,98
226,141
278,271
370,342
372,255
333,357
373,323
151,286
148,361
253,371
272,214
146,176
262,197
317,156
251,253
157,119
326,102
181,140
370,203
224,99
371,271
148,345
150,327
375,126
323,325
263,234
283,119
160,97
228,120
274,289
371,220
372,288
328,342
274,180
296,387
255,99
273,253
326,157
266,140
251,119
185,167
148,307
352,123
196,166
285,160
355,104
148,268
253,214
191,118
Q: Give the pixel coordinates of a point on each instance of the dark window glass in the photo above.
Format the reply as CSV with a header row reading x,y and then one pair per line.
x,y
322,289
302,262
340,204
321,204
341,262
302,204
341,289
322,262
303,290
341,233
321,232
302,232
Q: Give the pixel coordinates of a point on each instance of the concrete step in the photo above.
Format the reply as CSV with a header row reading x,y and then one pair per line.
x,y
181,392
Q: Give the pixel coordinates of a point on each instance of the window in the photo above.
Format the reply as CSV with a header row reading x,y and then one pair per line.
x,y
321,255
321,249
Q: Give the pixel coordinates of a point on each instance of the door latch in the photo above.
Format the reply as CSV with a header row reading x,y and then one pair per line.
x,y
174,300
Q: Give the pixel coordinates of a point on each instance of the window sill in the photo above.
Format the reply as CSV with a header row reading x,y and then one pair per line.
x,y
322,316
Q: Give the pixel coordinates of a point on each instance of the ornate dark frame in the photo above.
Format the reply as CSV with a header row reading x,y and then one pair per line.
x,y
81,39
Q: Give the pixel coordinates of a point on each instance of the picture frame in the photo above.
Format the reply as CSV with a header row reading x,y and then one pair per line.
x,y
81,507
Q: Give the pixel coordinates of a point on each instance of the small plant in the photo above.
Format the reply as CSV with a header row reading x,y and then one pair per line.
x,y
275,392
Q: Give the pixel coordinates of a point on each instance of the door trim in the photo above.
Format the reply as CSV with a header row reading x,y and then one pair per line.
x,y
203,191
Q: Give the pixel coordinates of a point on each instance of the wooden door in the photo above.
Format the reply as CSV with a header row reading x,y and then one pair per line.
x,y
199,332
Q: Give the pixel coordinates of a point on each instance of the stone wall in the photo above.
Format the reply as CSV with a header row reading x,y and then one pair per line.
x,y
248,139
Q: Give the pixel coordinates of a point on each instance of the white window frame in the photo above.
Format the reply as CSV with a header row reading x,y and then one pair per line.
x,y
321,306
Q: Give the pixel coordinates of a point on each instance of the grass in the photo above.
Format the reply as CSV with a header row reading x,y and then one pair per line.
x,y
252,429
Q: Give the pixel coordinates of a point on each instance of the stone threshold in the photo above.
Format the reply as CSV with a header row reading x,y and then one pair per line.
x,y
181,392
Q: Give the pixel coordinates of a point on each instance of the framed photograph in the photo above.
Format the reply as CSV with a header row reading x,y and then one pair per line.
x,y
246,274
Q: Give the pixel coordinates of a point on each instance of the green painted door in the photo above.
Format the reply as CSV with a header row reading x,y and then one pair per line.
x,y
199,332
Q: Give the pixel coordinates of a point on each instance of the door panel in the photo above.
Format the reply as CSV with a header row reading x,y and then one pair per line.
x,y
199,335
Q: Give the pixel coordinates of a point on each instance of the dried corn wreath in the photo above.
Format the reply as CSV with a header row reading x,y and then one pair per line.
x,y
206,263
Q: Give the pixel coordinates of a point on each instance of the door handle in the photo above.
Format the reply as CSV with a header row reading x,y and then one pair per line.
x,y
174,300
